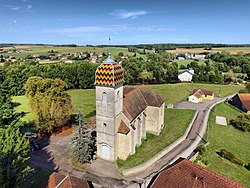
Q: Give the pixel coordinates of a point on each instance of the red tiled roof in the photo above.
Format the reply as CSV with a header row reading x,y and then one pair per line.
x,y
152,98
133,104
185,173
63,181
203,90
245,99
123,128
136,99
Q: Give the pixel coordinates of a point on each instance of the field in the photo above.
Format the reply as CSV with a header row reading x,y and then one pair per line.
x,y
232,50
231,139
188,61
43,50
172,93
174,128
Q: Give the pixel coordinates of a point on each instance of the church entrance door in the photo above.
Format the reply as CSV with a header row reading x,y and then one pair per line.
x,y
105,152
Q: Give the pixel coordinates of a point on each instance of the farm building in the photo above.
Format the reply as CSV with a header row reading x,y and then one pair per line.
x,y
198,95
123,115
241,101
185,173
187,75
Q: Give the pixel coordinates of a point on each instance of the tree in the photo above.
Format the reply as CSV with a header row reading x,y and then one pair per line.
x,y
82,142
49,102
6,107
14,154
242,122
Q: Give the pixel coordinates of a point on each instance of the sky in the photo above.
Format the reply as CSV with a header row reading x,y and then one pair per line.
x,y
93,22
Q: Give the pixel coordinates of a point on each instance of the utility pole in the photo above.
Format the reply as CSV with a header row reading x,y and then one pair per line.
x,y
109,41
219,91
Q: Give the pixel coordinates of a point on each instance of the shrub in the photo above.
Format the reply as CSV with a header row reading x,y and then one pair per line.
x,y
231,157
242,122
201,149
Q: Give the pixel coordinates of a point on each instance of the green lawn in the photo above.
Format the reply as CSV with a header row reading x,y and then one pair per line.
x,y
174,127
176,92
231,139
85,99
188,61
24,107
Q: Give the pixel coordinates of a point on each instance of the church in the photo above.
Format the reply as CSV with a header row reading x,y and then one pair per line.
x,y
123,114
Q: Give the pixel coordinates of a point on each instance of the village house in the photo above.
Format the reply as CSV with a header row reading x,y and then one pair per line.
x,y
123,114
187,75
241,101
185,173
198,95
63,180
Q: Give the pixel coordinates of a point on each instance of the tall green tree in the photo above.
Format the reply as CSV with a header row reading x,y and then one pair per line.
x,y
82,142
49,102
6,106
14,154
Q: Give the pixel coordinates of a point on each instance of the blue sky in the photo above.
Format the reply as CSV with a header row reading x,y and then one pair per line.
x,y
124,21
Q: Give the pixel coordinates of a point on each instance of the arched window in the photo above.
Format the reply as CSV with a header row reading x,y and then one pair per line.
x,y
118,95
104,100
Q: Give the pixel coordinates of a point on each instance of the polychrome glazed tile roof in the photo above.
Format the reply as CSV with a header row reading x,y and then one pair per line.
x,y
109,73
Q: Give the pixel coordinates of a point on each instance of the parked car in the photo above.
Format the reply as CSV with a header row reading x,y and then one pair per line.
x,y
30,135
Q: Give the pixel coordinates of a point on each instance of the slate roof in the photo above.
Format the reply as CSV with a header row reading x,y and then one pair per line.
x,y
203,90
136,99
123,128
61,180
245,99
186,71
185,173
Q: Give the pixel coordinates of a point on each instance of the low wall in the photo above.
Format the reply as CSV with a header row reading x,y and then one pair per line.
x,y
154,159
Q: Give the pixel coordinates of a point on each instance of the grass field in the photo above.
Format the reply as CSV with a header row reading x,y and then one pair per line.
x,y
214,50
43,50
231,139
174,128
188,61
173,93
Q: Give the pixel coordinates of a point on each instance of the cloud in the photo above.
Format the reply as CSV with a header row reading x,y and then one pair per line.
x,y
24,8
15,8
25,1
125,14
109,28
14,21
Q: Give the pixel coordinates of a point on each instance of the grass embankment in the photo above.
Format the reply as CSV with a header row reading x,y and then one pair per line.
x,y
231,139
174,128
173,93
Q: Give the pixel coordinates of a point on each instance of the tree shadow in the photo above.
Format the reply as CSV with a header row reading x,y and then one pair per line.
x,y
43,157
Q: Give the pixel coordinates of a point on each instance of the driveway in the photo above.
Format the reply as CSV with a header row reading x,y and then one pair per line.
x,y
54,153
200,106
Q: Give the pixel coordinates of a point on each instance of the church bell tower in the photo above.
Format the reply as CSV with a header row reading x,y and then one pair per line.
x,y
109,105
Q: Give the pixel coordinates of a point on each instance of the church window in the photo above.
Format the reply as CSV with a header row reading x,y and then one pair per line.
x,y
118,94
104,124
104,100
